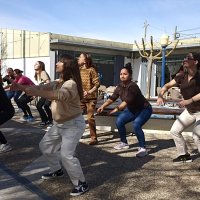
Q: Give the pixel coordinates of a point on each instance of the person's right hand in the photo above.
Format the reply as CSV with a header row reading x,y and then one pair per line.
x,y
160,101
100,109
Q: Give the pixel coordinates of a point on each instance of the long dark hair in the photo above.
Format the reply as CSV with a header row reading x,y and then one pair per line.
x,y
88,60
42,67
196,57
71,71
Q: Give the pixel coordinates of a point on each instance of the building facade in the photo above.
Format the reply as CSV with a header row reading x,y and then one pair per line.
x,y
21,49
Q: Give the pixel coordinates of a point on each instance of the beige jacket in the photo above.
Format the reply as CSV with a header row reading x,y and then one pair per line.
x,y
65,100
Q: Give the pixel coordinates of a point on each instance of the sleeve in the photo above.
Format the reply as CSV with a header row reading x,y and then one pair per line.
x,y
67,91
95,78
115,94
48,86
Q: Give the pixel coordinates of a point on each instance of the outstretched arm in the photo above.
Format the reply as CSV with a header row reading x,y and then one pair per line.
x,y
107,103
165,88
122,105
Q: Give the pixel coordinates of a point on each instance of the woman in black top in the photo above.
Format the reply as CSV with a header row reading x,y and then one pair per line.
x,y
135,108
189,83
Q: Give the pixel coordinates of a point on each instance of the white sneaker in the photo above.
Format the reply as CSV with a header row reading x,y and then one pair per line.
x,y
49,127
141,152
5,148
121,145
18,110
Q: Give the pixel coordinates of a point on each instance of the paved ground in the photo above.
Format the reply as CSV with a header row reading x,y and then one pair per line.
x,y
111,174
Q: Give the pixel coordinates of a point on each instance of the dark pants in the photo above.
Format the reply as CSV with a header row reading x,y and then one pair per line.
x,y
6,111
23,104
15,95
43,107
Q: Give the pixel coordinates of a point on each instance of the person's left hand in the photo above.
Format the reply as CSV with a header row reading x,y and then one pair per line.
x,y
31,91
86,93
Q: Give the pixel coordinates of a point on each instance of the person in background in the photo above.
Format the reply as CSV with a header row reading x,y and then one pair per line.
x,y
23,100
8,79
6,112
69,123
189,84
90,82
42,77
134,108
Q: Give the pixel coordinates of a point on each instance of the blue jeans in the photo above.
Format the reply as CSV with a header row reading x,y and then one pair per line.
x,y
10,94
138,119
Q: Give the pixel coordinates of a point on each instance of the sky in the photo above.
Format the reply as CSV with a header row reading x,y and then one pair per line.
x,y
113,20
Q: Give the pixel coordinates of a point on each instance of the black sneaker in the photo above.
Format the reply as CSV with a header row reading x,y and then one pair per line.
x,y
55,174
80,189
183,159
42,124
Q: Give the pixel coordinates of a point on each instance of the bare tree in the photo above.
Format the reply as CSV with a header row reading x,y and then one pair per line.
x,y
3,52
149,55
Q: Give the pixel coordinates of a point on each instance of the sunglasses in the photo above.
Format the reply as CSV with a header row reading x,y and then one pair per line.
x,y
188,58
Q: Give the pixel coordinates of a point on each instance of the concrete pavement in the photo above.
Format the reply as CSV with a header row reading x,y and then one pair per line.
x,y
111,174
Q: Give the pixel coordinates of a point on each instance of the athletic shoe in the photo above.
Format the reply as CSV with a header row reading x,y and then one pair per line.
x,y
24,118
141,152
121,145
30,119
5,148
93,142
18,110
55,174
183,158
42,124
81,188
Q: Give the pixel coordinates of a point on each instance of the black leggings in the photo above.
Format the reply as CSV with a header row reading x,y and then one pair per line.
x,y
23,104
43,107
6,111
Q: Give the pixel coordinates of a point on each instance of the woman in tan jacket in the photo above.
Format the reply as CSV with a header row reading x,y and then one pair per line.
x,y
68,126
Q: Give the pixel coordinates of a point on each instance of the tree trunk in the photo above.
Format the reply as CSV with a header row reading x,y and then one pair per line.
x,y
149,72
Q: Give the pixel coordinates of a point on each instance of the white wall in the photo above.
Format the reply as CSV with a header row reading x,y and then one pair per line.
x,y
140,74
52,64
136,69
